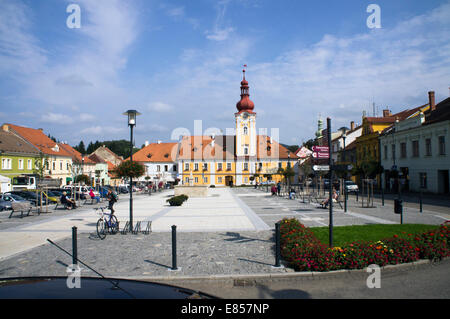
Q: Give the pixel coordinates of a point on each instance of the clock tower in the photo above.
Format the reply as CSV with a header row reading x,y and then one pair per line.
x,y
245,123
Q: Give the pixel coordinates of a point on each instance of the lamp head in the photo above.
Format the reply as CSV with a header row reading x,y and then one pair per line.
x,y
132,114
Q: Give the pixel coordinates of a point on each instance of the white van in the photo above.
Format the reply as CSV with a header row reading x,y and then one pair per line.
x,y
81,190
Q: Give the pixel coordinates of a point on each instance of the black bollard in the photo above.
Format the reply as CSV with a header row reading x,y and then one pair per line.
x,y
74,246
277,245
382,196
174,247
420,201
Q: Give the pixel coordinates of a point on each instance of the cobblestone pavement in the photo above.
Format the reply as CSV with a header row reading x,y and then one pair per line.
x,y
199,253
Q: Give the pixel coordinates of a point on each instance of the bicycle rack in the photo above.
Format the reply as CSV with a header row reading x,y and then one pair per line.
x,y
137,228
125,228
148,228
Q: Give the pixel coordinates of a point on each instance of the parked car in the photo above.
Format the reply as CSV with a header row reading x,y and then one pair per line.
x,y
52,198
351,187
80,191
5,204
12,198
29,196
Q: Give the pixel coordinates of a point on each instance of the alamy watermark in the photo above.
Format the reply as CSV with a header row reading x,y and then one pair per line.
x,y
74,19
374,280
374,20
74,276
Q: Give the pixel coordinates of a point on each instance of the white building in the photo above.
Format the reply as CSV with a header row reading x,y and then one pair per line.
x,y
158,161
419,149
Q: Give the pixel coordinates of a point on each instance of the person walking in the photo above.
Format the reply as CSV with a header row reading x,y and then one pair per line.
x,y
279,188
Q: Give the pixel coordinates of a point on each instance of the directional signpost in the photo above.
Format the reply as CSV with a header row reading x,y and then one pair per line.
x,y
321,152
321,167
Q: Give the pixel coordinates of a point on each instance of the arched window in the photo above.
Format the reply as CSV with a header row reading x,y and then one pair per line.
x,y
245,130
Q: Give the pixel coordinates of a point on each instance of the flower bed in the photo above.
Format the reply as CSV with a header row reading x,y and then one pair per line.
x,y
304,252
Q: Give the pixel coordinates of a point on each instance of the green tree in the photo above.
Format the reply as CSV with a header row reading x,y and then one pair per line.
x,y
130,169
81,148
84,179
40,165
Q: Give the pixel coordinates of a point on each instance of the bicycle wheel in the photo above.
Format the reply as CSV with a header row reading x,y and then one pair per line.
x,y
114,225
101,229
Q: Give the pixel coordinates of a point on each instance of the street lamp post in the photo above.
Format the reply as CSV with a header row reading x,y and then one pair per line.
x,y
132,114
344,136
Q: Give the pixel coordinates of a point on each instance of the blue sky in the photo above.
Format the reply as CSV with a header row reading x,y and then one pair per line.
x,y
180,61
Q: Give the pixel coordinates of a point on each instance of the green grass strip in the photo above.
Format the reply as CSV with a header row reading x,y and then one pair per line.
x,y
347,234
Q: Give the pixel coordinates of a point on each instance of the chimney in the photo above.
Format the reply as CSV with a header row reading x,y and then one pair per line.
x,y
212,143
431,100
386,113
146,143
352,125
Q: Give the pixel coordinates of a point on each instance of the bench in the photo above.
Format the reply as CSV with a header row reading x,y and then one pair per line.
x,y
58,203
21,207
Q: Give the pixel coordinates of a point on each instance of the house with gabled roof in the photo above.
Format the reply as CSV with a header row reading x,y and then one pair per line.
x,y
158,159
415,153
367,145
56,161
17,162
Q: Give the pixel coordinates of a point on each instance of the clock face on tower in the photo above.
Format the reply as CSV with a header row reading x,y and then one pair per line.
x,y
245,116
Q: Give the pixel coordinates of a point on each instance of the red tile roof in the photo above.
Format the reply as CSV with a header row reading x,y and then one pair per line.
x,y
156,152
39,139
77,157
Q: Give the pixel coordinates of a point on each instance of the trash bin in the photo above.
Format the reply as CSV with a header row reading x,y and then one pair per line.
x,y
398,206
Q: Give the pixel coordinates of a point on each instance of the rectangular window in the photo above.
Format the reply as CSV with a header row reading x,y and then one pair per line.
x,y
174,168
166,168
393,151
428,147
6,163
260,166
402,150
441,145
196,180
67,166
195,166
186,180
186,166
280,165
20,163
228,166
205,166
219,166
60,166
415,148
54,165
30,164
423,180
246,180
385,152
245,166
219,180
158,168
245,150
205,180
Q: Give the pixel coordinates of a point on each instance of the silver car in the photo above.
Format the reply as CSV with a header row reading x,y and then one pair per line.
x,y
351,187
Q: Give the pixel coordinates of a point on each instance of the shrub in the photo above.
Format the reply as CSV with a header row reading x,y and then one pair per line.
x,y
177,200
304,252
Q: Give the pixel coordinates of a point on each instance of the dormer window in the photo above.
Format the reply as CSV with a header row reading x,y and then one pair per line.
x,y
55,148
149,155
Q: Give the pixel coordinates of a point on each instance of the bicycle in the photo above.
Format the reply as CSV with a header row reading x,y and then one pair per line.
x,y
105,225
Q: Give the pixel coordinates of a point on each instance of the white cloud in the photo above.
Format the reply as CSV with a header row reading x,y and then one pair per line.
x,y
219,34
160,107
86,117
56,118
